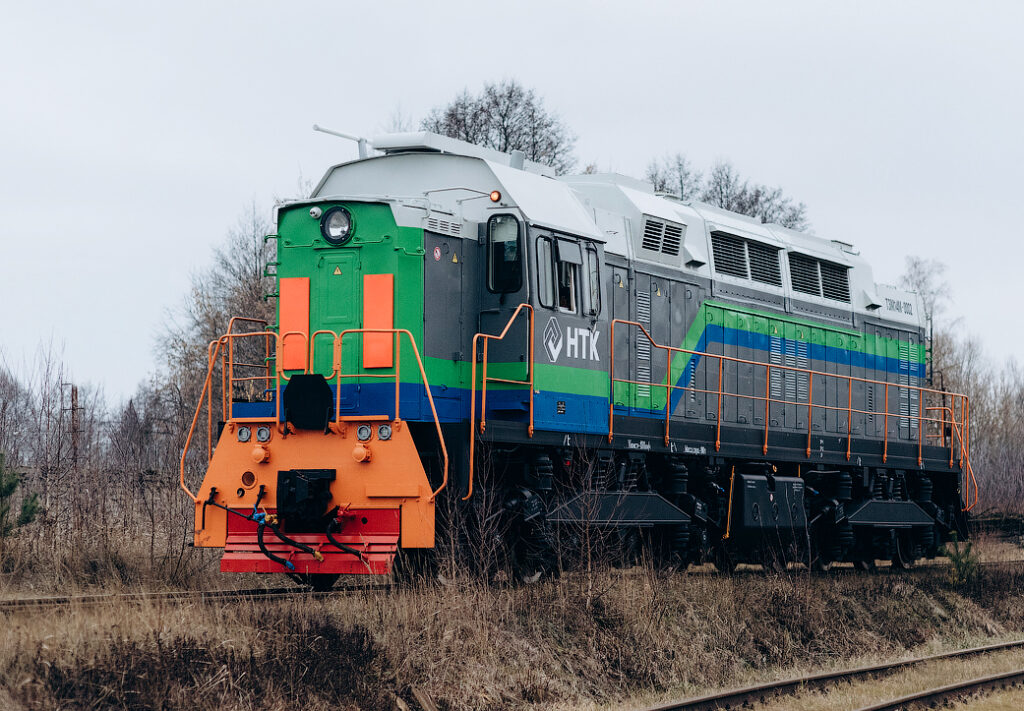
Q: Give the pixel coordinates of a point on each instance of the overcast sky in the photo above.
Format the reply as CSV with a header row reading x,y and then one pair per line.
x,y
132,137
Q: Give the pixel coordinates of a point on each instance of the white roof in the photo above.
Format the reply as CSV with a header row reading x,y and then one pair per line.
x,y
424,173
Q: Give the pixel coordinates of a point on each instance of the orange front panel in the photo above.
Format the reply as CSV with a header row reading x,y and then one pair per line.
x,y
378,312
294,302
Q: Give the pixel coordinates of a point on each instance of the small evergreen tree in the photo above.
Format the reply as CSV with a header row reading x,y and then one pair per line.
x,y
29,504
963,569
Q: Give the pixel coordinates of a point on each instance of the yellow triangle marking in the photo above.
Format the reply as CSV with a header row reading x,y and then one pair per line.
x,y
455,259
337,271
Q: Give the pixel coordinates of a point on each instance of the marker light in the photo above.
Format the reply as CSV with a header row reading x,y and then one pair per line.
x,y
384,432
363,433
244,433
495,196
262,434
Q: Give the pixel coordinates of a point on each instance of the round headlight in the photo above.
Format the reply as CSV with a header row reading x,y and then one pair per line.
x,y
244,433
336,226
363,432
262,434
384,432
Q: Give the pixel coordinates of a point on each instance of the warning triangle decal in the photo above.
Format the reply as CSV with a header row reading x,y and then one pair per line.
x,y
337,271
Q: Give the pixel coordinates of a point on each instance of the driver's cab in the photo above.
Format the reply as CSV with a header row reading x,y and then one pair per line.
x,y
559,275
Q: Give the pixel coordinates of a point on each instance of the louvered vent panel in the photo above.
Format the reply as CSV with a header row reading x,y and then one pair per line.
x,y
730,255
653,231
835,282
764,264
904,379
789,351
673,239
803,380
778,376
804,273
444,227
643,345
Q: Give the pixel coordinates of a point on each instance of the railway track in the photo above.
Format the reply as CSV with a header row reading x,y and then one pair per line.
x,y
737,698
951,692
33,603
12,604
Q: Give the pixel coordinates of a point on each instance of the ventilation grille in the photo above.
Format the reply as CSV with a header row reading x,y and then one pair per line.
x,y
764,264
742,258
653,231
730,255
663,237
643,345
835,282
444,227
804,273
673,239
819,278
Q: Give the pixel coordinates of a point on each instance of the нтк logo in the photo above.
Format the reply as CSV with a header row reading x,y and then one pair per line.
x,y
553,339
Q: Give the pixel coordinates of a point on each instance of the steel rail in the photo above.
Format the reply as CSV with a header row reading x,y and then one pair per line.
x,y
32,603
734,698
949,692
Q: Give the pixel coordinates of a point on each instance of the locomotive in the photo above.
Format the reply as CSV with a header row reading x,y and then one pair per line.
x,y
455,323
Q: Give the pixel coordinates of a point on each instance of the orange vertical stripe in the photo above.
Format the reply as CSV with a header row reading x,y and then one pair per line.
x,y
378,312
294,304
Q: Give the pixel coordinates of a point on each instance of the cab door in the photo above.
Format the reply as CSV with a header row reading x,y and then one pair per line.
x,y
337,288
572,334
503,286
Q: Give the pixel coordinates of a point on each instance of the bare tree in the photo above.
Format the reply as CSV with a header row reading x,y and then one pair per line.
x,y
506,116
927,277
724,187
673,174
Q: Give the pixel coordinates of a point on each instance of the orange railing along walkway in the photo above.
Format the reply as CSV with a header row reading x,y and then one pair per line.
x,y
957,411
224,347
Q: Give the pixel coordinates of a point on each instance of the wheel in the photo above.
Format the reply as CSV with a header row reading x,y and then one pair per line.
x,y
903,556
821,565
724,560
773,561
318,582
413,564
626,547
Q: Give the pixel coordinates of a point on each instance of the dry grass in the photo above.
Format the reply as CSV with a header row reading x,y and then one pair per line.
x,y
584,640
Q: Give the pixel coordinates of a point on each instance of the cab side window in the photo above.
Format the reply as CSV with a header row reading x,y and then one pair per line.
x,y
594,281
504,255
570,266
545,275
567,287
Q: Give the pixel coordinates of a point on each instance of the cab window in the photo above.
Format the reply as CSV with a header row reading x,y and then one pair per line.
x,y
569,268
567,287
504,255
594,282
545,288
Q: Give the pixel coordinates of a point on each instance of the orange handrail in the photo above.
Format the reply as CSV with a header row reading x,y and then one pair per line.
x,y
487,338
222,347
216,348
397,332
719,392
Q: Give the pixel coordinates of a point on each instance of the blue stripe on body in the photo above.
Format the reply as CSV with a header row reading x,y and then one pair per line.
x,y
583,413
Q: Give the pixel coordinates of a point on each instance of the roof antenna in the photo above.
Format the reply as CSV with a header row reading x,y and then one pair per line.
x,y
363,143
